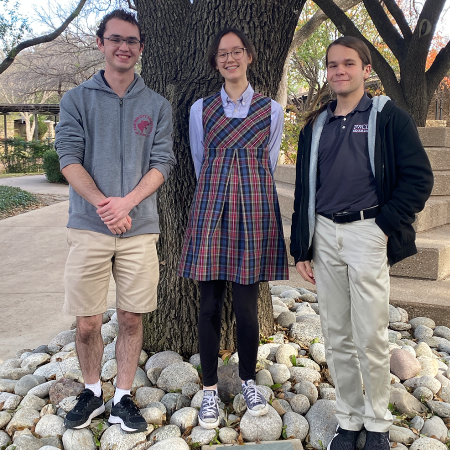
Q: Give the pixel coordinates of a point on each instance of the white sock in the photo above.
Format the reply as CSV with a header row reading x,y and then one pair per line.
x,y
96,388
119,394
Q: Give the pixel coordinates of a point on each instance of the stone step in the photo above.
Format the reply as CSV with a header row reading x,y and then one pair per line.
x,y
439,158
435,136
441,183
433,258
435,214
285,173
290,444
431,262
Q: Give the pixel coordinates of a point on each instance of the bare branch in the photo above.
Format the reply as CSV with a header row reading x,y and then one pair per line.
x,y
387,30
41,39
400,18
438,70
381,66
130,5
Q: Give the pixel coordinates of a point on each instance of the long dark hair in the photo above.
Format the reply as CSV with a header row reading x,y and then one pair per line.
x,y
214,46
363,51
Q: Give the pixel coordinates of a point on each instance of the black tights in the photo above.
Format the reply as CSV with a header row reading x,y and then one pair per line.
x,y
245,304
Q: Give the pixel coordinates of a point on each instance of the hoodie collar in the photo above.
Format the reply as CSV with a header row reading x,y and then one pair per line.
x,y
98,82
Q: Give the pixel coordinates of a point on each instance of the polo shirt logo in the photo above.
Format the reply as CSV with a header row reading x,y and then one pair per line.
x,y
361,128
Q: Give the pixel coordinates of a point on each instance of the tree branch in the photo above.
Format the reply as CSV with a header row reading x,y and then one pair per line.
x,y
438,70
41,39
387,30
400,18
381,66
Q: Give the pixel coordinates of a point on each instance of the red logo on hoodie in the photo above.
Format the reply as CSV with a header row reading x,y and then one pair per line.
x,y
143,125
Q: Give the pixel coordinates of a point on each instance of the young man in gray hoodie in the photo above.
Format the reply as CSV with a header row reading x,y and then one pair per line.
x,y
115,149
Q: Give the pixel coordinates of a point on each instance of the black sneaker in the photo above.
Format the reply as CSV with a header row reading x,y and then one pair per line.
x,y
87,407
256,403
343,440
208,417
128,415
377,441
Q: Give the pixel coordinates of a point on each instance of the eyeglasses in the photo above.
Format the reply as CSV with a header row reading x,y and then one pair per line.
x,y
116,41
237,53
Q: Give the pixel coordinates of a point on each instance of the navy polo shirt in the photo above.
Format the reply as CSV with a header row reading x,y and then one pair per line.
x,y
345,181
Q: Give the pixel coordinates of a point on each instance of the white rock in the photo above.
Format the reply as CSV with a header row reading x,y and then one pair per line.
x,y
50,426
425,443
284,354
202,436
264,428
317,351
109,370
176,376
79,439
296,425
184,418
162,360
228,435
280,373
175,443
300,404
115,438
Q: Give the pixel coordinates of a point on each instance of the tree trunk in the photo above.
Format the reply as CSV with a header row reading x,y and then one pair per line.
x,y
174,65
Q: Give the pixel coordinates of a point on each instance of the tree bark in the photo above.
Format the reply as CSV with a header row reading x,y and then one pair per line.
x,y
174,64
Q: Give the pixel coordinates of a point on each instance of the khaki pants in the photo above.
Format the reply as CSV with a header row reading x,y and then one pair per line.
x,y
352,276
92,256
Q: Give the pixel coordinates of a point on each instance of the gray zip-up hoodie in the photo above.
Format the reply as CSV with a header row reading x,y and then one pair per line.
x,y
117,140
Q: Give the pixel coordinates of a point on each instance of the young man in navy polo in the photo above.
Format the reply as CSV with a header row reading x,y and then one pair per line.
x,y
362,175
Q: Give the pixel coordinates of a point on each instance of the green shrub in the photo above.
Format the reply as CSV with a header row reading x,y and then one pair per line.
x,y
21,156
51,167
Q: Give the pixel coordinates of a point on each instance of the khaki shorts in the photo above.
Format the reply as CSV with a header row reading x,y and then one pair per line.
x,y
89,266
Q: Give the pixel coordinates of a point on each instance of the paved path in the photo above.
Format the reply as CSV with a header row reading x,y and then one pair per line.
x,y
37,184
33,252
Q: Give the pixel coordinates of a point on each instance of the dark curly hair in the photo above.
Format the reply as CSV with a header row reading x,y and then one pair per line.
x,y
120,14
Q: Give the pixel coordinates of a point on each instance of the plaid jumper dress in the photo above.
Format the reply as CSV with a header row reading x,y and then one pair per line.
x,y
235,231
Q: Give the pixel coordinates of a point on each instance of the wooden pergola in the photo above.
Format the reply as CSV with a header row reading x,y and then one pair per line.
x,y
35,109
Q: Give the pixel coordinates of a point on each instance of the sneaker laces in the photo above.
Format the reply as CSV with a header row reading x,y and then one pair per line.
x,y
253,393
83,397
132,409
209,405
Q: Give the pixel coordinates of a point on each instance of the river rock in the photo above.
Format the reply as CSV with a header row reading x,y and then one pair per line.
x,y
5,440
284,354
173,401
263,428
26,383
425,443
417,423
308,389
306,329
300,404
10,401
443,332
280,373
278,290
7,385
423,349
153,415
406,403
404,365
400,326
394,314
426,381
50,426
228,435
78,439
445,394
109,352
202,436
263,377
304,373
402,435
115,438
63,338
145,395
24,418
174,443
35,359
296,425
429,366
109,370
109,331
440,408
163,433
435,426
162,360
25,442
190,389
317,352
286,319
176,375
64,388
42,390
184,418
423,332
32,401
229,383
322,423
423,394
5,417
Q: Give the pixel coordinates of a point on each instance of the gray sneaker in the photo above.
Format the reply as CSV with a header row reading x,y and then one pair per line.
x,y
208,416
256,403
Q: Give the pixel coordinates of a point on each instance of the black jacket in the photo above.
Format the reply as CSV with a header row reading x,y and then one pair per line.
x,y
403,178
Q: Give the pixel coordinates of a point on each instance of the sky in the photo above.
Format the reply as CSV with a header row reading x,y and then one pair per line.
x,y
26,8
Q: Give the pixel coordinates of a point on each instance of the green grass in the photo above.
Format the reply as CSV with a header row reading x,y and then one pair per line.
x,y
13,197
13,175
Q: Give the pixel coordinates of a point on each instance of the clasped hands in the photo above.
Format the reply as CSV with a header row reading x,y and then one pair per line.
x,y
114,212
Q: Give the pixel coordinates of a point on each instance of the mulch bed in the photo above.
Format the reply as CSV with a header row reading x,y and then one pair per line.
x,y
43,200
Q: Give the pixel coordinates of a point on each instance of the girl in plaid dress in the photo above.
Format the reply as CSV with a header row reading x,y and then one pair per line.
x,y
235,231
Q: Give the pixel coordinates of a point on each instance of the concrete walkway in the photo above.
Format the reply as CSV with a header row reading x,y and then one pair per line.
x,y
33,252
